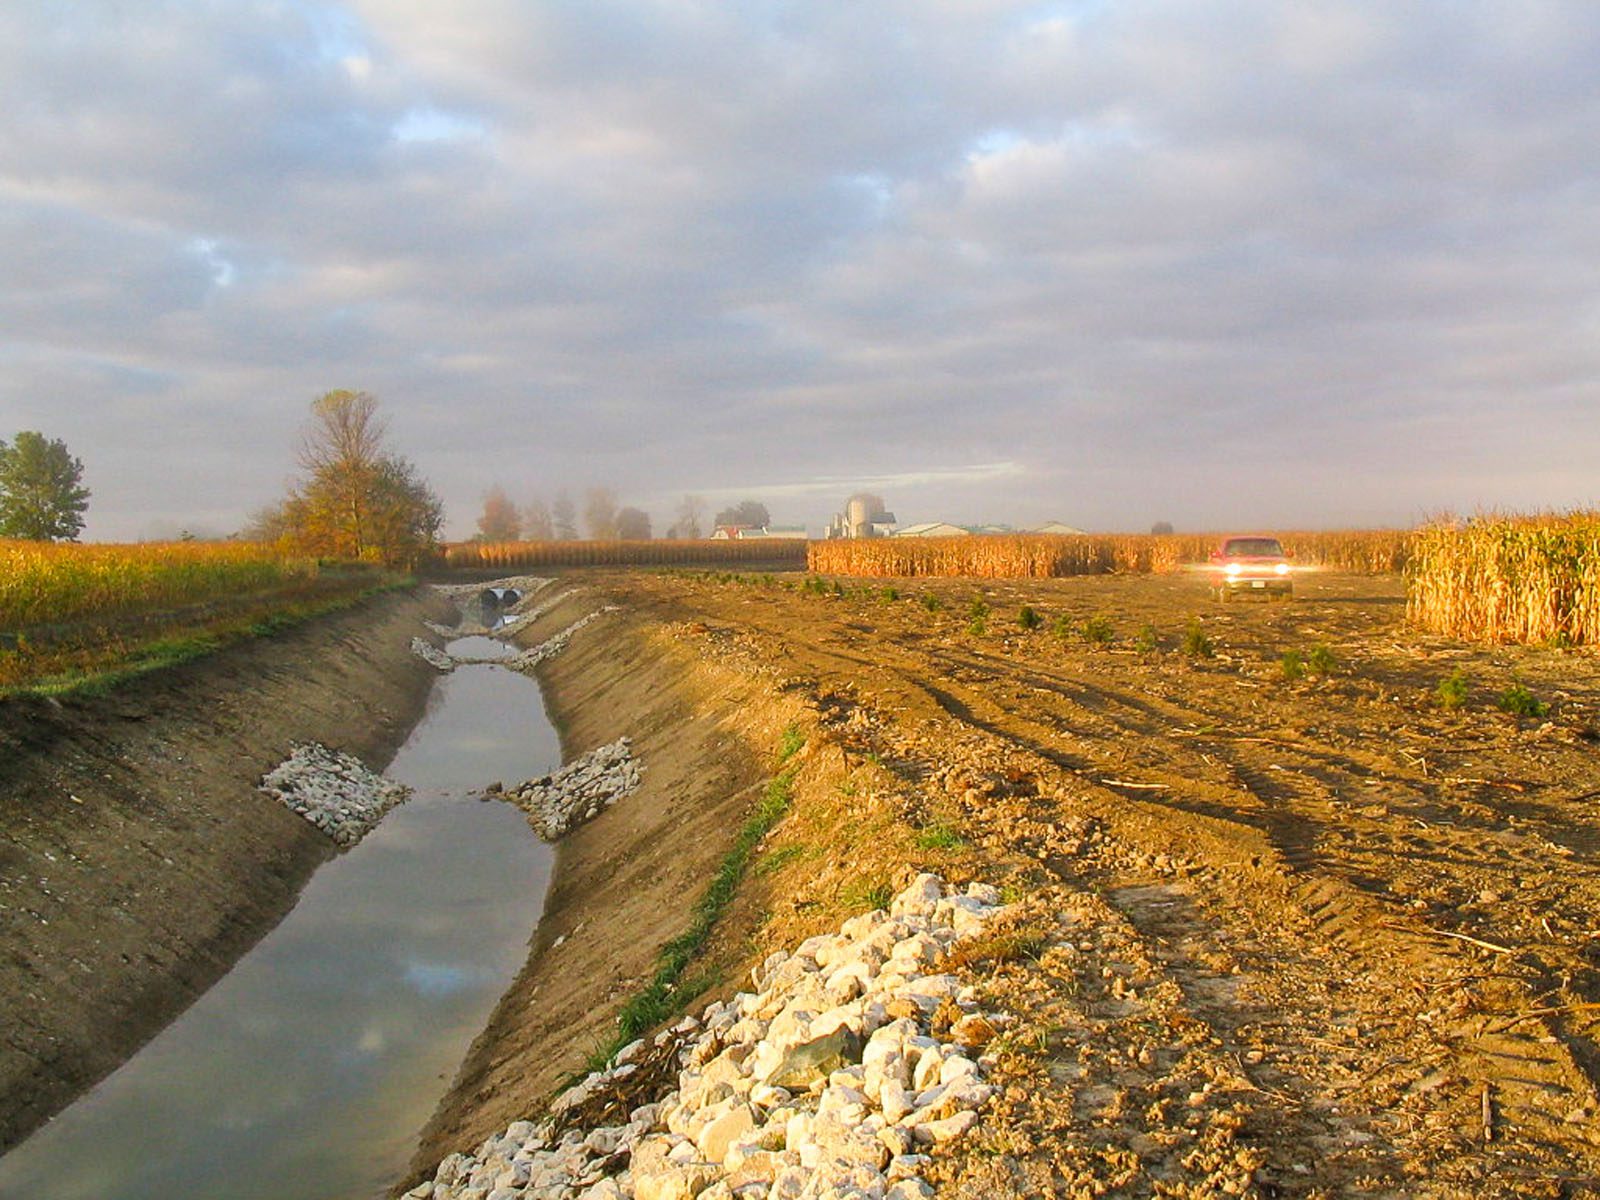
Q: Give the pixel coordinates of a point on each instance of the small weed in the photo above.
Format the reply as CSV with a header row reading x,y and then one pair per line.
x,y
1195,642
1321,660
1028,618
997,948
939,836
932,603
1013,891
864,895
780,859
1520,702
1062,627
1097,630
891,593
1293,665
1147,640
789,744
1452,691
977,627
978,609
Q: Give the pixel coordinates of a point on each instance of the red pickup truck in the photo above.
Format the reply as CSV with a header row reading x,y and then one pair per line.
x,y
1251,563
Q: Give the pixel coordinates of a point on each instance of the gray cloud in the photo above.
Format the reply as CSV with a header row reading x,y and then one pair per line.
x,y
1241,263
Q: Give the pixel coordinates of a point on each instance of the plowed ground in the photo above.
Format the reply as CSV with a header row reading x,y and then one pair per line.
x,y
1276,937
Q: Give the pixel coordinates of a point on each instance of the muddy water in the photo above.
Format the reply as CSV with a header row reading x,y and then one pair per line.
x,y
308,1071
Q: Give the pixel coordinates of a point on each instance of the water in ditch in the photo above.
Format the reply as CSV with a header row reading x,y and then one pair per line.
x,y
307,1072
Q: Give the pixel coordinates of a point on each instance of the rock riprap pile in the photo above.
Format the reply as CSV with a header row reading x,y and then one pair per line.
x,y
333,790
826,1083
555,644
579,791
432,655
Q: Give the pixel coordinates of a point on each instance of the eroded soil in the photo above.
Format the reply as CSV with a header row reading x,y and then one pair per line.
x,y
1312,937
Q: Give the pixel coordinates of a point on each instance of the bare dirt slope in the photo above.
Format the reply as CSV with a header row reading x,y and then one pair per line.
x,y
137,859
1301,938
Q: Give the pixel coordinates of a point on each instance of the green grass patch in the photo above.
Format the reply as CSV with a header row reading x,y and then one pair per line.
x,y
939,836
790,743
864,895
669,989
781,858
116,664
1293,665
1321,660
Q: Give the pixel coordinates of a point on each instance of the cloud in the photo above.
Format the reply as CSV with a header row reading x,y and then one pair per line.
x,y
676,246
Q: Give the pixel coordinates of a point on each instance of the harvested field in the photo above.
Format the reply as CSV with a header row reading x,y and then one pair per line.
x,y
1320,936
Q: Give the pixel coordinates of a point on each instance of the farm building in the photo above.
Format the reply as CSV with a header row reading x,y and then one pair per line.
x,y
931,529
746,533
864,516
774,531
1055,527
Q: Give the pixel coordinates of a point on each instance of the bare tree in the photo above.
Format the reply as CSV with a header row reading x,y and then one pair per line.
x,y
340,449
500,521
537,525
691,511
633,525
600,514
564,517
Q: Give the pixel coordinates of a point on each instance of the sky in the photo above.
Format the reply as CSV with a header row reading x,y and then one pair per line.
x,y
1234,264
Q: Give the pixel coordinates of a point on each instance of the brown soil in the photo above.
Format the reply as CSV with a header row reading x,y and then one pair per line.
x,y
139,861
1273,937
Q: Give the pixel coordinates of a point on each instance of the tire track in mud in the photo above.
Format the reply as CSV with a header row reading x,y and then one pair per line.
x,y
1277,877
1291,816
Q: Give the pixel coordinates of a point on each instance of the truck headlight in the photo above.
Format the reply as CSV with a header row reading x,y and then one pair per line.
x,y
1282,568
1232,569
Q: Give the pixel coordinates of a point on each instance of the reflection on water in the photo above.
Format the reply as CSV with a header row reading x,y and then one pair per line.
x,y
307,1072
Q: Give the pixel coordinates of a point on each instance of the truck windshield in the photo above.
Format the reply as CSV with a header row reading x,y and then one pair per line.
x,y
1252,548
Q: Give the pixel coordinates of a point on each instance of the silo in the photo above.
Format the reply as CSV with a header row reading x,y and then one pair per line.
x,y
858,517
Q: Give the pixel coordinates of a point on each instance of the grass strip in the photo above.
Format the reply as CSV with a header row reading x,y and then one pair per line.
x,y
668,990
122,664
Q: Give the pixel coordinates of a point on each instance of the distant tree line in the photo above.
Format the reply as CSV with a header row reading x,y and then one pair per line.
x,y
602,518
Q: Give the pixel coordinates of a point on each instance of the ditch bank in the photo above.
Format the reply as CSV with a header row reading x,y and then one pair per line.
x,y
625,881
139,860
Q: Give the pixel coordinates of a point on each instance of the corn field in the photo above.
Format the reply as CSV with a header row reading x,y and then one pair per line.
x,y
50,583
731,552
1509,579
1047,556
